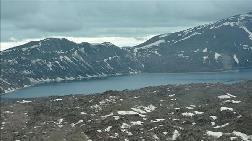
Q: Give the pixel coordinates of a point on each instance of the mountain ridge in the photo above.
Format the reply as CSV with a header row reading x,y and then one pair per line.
x,y
223,45
60,59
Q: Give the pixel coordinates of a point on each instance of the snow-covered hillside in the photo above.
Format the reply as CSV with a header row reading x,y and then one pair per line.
x,y
223,45
55,59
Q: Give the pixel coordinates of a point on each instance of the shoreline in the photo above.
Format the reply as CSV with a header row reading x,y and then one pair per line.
x,y
100,93
110,76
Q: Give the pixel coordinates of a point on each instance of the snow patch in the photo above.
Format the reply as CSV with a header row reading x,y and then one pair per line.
x,y
124,127
153,44
136,122
175,135
116,117
216,56
231,95
111,114
127,113
60,121
190,108
226,96
108,128
73,124
212,123
205,58
187,37
246,30
8,112
157,53
232,101
182,55
24,101
58,99
171,95
198,113
83,113
188,114
213,117
139,110
243,136
214,134
157,120
204,50
236,59
226,108
221,126
144,109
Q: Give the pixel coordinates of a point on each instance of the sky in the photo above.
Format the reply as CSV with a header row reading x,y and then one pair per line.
x,y
121,22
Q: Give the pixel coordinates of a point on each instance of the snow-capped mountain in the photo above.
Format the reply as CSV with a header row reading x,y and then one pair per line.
x,y
55,59
223,45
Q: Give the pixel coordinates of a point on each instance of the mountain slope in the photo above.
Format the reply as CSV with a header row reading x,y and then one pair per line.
x,y
55,59
223,45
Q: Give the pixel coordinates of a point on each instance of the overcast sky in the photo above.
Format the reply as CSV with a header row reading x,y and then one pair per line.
x,y
122,22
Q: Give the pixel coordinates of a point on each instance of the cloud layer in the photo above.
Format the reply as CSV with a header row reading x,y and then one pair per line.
x,y
23,19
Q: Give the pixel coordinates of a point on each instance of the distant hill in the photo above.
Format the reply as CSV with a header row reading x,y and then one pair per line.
x,y
55,59
223,45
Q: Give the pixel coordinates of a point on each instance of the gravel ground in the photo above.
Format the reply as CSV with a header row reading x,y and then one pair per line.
x,y
191,112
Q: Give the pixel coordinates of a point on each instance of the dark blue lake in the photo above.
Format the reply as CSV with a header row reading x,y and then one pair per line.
x,y
129,82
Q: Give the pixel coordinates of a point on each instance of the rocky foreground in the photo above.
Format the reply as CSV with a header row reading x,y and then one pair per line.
x,y
184,112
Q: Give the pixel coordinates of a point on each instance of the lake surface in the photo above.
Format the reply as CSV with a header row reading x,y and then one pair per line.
x,y
129,82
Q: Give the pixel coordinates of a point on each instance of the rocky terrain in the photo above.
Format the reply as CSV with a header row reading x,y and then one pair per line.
x,y
191,112
223,45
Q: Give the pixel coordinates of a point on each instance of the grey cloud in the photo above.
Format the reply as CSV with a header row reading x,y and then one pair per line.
x,y
15,10
48,16
36,18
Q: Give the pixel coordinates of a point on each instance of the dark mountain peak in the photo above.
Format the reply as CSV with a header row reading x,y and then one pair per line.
x,y
107,44
52,39
236,20
56,40
45,45
84,43
51,44
221,45
249,14
48,41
